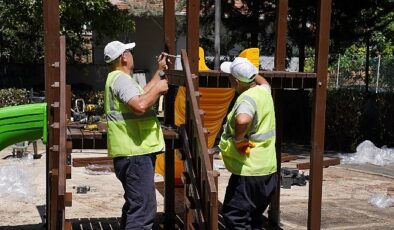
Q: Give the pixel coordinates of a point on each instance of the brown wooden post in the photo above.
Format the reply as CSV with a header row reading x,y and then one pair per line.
x,y
169,29
193,34
318,119
280,65
52,74
62,150
169,46
169,173
281,35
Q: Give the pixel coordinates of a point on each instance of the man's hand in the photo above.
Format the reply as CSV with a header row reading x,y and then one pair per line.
x,y
162,61
162,86
244,146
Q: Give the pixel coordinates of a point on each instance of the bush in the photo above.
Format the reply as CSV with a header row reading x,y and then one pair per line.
x,y
13,96
90,97
343,119
352,117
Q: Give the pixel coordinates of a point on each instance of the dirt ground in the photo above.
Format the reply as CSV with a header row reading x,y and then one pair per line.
x,y
346,191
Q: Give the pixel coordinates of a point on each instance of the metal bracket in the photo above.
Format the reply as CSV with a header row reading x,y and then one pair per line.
x,y
55,64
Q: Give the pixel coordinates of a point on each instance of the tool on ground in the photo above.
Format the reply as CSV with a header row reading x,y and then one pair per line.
x,y
292,176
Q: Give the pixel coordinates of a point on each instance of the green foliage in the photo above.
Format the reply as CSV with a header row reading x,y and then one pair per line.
x,y
343,117
352,64
90,97
352,117
354,20
80,18
21,30
387,73
385,110
13,96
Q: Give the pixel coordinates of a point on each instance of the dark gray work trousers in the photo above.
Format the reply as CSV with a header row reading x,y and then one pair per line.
x,y
246,199
137,176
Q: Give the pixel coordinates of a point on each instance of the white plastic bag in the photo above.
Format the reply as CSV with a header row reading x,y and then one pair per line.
x,y
380,200
14,183
367,152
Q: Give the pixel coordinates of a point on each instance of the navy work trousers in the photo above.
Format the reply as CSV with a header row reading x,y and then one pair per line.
x,y
137,176
246,199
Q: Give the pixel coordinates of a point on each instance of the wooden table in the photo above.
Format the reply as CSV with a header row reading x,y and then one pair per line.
x,y
87,139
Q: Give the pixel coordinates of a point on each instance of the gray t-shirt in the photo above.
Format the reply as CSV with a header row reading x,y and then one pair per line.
x,y
125,88
246,108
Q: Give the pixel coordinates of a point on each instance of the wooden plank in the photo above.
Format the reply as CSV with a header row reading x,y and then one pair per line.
x,y
68,172
169,29
67,225
83,162
281,35
68,196
193,33
326,163
318,117
51,56
287,158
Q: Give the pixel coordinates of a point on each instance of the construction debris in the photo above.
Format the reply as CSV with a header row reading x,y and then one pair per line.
x,y
292,176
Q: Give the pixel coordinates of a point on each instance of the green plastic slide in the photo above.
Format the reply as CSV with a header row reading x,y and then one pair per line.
x,y
23,123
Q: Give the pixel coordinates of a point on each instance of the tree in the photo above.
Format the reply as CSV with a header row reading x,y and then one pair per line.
x,y
358,22
21,30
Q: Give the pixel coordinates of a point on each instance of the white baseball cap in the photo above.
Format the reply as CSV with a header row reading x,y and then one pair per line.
x,y
241,68
114,49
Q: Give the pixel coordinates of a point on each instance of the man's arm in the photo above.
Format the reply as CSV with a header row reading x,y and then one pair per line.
x,y
155,79
142,103
128,92
242,123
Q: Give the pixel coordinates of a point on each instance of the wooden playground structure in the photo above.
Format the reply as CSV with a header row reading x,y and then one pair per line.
x,y
199,178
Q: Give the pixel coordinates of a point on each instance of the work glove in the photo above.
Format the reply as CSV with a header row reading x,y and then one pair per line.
x,y
244,146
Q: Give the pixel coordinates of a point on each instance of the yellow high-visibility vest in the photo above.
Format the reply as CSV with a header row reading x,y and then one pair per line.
x,y
262,158
129,134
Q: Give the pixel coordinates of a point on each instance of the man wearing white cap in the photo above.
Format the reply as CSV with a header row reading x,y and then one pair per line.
x,y
248,147
134,134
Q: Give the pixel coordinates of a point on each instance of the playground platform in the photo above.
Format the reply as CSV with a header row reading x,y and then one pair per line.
x,y
97,199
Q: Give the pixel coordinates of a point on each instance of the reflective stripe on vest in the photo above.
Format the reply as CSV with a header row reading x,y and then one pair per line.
x,y
263,136
116,116
111,100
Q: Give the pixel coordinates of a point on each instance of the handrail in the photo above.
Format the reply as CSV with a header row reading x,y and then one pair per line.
x,y
202,186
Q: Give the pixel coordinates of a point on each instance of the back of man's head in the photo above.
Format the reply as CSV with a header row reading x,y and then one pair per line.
x,y
241,68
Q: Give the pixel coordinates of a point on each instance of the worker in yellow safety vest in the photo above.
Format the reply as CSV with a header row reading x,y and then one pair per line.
x,y
134,133
248,147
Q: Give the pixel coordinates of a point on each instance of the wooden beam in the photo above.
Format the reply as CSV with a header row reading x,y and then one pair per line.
x,y
287,158
326,163
85,161
281,35
52,74
169,29
193,33
318,118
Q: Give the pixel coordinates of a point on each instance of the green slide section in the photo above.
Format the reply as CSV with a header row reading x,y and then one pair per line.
x,y
23,123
